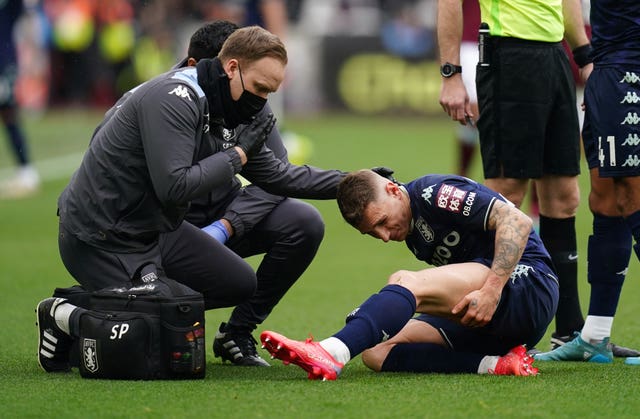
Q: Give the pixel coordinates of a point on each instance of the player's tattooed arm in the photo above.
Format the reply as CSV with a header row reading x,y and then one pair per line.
x,y
512,228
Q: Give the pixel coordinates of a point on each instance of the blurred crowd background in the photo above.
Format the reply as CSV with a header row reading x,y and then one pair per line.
x,y
368,56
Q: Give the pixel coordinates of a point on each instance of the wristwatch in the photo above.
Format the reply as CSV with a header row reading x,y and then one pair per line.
x,y
447,69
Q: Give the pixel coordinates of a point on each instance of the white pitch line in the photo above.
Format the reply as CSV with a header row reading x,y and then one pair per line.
x,y
54,168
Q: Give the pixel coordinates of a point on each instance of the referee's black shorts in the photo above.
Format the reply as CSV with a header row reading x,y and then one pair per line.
x,y
528,121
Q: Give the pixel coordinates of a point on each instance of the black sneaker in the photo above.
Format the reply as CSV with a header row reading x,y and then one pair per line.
x,y
53,344
237,347
618,351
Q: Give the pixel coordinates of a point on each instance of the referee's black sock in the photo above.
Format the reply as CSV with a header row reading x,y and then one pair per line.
x,y
559,237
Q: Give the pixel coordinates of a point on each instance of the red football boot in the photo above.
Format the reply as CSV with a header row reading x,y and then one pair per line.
x,y
515,362
308,355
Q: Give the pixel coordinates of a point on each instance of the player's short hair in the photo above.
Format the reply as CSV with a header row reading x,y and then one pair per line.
x,y
207,41
355,192
253,43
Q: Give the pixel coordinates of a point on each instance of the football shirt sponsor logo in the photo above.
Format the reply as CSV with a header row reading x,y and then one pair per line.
x,y
468,204
450,198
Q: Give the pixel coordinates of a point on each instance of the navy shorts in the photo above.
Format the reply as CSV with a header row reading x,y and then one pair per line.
x,y
611,132
528,304
528,121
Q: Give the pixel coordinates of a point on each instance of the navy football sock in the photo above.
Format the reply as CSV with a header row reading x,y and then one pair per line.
x,y
559,237
377,319
429,357
609,254
18,143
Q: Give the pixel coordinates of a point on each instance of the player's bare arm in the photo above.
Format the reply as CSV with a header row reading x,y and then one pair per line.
x,y
453,95
575,33
512,228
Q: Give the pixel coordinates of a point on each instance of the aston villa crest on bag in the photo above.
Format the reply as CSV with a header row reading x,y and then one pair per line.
x,y
89,357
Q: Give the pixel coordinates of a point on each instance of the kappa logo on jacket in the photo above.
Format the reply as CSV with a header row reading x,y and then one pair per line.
x,y
182,92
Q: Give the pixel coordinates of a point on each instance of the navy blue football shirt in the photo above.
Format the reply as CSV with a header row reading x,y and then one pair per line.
x,y
450,215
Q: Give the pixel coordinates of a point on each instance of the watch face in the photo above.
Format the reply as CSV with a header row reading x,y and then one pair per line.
x,y
448,70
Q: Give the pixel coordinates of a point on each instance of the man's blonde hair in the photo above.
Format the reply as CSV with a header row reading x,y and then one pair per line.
x,y
253,43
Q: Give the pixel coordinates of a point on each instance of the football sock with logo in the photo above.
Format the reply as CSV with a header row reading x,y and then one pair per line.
x,y
559,237
377,319
430,357
609,252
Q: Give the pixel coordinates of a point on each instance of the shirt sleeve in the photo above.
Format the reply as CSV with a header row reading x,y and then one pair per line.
x,y
283,178
455,200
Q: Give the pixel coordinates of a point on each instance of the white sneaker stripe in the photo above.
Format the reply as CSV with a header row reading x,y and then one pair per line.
x,y
50,337
49,346
45,353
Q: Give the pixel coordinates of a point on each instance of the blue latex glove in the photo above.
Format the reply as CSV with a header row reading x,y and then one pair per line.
x,y
217,231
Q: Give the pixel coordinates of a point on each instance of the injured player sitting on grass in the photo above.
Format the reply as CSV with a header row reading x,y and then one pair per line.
x,y
491,293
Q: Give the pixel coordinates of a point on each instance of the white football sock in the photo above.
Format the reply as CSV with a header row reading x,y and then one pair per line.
x,y
596,328
62,315
337,349
488,363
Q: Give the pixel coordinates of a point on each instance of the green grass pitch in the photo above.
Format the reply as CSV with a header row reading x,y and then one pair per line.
x,y
348,268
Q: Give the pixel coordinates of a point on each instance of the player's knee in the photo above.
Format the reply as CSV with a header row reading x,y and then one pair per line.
x,y
408,280
603,202
402,277
569,203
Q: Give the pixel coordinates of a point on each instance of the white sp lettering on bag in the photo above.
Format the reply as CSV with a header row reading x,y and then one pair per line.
x,y
119,330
